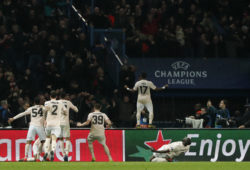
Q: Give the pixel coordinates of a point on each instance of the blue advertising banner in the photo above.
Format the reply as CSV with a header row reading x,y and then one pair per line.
x,y
196,73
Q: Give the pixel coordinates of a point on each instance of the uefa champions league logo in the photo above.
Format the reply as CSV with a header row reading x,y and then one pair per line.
x,y
180,65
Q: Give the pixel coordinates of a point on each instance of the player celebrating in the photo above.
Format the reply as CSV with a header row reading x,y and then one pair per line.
x,y
55,109
37,114
143,87
97,120
166,153
65,126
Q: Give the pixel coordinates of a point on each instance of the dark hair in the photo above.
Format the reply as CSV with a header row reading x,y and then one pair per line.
x,y
97,106
63,94
53,94
37,100
143,75
186,141
225,102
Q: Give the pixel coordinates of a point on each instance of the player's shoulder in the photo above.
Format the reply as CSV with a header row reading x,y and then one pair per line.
x,y
148,81
47,102
30,108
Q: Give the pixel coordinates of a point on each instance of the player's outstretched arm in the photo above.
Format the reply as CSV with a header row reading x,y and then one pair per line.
x,y
18,116
129,89
109,123
73,107
83,124
161,88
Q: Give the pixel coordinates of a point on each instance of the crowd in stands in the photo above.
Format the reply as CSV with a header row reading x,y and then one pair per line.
x,y
176,28
42,49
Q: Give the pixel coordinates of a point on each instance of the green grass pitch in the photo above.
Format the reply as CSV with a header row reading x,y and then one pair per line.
x,y
124,166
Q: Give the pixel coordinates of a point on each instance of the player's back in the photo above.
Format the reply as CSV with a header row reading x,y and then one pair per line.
x,y
55,109
143,87
175,148
97,123
37,115
65,117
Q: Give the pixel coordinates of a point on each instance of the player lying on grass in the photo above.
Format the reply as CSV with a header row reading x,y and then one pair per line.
x,y
166,153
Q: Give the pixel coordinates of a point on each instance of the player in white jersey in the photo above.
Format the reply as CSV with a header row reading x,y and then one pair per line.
x,y
166,153
55,109
143,87
37,114
97,120
65,127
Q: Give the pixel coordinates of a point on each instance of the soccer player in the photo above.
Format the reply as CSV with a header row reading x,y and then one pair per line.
x,y
38,150
37,114
65,126
55,109
97,120
166,153
143,87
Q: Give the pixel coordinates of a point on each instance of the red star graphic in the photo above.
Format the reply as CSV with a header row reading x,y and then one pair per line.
x,y
158,142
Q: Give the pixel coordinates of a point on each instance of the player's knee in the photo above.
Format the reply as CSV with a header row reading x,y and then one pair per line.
x,y
28,142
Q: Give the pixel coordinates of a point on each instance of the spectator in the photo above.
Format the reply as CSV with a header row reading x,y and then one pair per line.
x,y
222,115
211,110
125,111
4,113
245,120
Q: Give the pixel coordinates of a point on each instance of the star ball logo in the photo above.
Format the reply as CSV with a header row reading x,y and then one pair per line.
x,y
156,144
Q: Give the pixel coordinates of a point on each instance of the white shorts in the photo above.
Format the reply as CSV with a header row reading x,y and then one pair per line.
x,y
140,106
159,160
101,139
36,130
65,131
53,131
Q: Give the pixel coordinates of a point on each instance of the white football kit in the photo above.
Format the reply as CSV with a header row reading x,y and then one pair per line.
x,y
37,118
64,121
97,127
55,109
175,149
144,98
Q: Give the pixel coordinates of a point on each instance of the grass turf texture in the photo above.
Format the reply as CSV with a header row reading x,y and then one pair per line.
x,y
124,166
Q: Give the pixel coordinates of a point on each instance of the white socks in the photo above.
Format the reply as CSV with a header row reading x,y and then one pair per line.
x,y
107,151
138,117
61,143
67,147
91,150
151,117
47,145
27,148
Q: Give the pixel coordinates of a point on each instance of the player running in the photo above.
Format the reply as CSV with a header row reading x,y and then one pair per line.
x,y
55,109
97,120
143,87
166,153
65,126
37,114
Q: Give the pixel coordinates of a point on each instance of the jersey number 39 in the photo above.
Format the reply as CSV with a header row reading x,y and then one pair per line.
x,y
97,120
